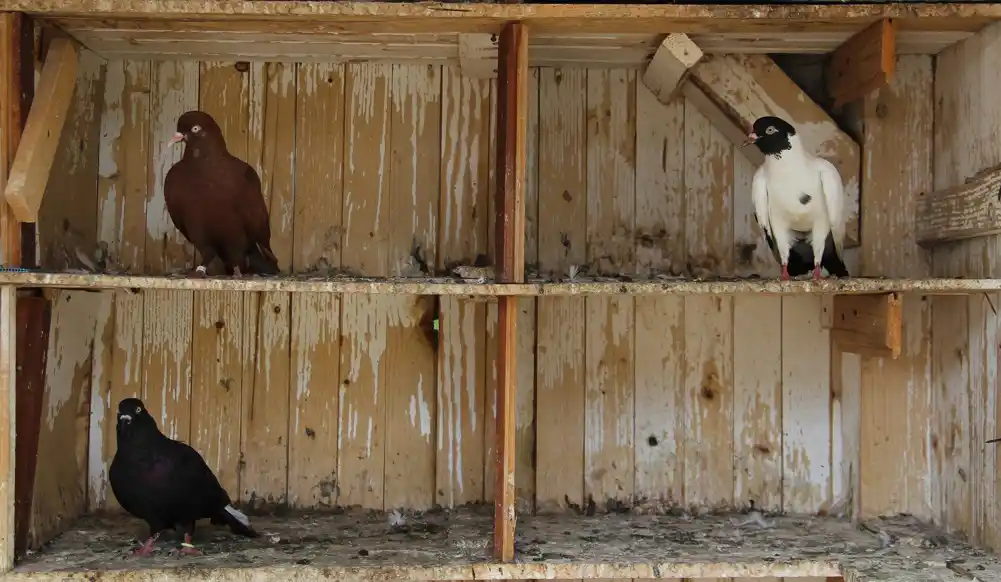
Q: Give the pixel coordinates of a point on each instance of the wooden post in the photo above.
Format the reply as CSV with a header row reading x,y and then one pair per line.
x,y
512,127
10,255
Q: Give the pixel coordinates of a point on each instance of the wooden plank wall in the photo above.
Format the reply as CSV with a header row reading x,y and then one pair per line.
x,y
965,329
315,400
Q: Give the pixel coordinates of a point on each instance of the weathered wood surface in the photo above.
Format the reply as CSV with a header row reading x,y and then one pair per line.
x,y
452,545
963,211
490,17
964,476
452,287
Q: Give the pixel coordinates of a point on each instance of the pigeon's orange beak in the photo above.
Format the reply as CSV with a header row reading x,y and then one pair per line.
x,y
178,138
751,138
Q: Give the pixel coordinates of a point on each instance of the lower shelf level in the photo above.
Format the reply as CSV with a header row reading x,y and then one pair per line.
x,y
455,545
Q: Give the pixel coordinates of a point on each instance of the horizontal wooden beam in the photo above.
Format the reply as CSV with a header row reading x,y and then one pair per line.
x,y
870,325
864,63
962,212
670,66
791,16
533,287
751,86
36,153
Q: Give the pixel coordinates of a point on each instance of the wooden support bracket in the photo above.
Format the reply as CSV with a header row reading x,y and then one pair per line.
x,y
749,86
36,153
962,212
478,56
869,325
670,66
863,63
512,159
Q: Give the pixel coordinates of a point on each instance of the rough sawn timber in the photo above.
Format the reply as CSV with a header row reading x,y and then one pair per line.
x,y
965,211
360,546
445,286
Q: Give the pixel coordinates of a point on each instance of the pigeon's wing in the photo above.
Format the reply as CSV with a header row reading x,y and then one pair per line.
x,y
759,198
171,185
253,210
192,474
834,198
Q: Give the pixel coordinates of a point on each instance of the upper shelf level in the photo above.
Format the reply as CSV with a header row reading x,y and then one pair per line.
x,y
614,34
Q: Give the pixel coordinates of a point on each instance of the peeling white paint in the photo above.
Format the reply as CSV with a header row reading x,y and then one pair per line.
x,y
74,317
99,403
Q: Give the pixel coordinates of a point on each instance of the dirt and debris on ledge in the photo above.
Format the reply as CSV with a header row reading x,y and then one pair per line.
x,y
358,545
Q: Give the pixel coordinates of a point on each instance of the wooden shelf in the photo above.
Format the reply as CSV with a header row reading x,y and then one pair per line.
x,y
451,286
361,546
562,35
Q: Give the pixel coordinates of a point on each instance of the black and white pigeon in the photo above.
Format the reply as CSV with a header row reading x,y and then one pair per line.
x,y
799,202
166,483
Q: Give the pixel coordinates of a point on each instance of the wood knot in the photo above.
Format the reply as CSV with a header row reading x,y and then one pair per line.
x,y
310,433
242,66
708,393
277,309
762,449
567,196
882,111
220,324
652,441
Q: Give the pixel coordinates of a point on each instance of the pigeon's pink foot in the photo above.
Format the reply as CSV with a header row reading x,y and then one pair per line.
x,y
146,549
785,272
816,273
188,549
200,272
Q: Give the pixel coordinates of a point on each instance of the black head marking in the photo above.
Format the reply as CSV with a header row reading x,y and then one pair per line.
x,y
772,135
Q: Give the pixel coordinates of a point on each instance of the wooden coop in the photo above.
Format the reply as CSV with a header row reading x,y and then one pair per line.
x,y
616,385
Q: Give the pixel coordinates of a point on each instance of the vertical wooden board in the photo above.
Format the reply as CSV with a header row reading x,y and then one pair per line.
x,y
608,366
709,396
525,426
60,494
708,393
319,181
525,405
660,335
174,86
806,416
465,129
561,235
896,406
265,398
660,185
491,347
414,191
319,167
364,366
216,390
846,418
757,414
313,427
67,218
123,182
167,360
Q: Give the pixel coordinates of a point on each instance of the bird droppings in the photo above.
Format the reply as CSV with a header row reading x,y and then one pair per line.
x,y
354,545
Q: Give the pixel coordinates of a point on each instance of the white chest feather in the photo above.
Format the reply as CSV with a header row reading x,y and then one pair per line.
x,y
795,193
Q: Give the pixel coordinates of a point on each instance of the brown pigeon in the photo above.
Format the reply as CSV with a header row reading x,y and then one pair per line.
x,y
215,200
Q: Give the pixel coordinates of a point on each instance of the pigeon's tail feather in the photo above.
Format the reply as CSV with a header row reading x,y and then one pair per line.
x,y
831,260
262,261
238,522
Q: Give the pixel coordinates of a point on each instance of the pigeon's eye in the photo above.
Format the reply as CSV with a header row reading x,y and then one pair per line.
x,y
771,129
139,409
196,128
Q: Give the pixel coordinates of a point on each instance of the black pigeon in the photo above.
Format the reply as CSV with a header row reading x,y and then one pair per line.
x,y
166,483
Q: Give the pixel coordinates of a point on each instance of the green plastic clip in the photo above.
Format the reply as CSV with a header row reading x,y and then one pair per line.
x,y
436,324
